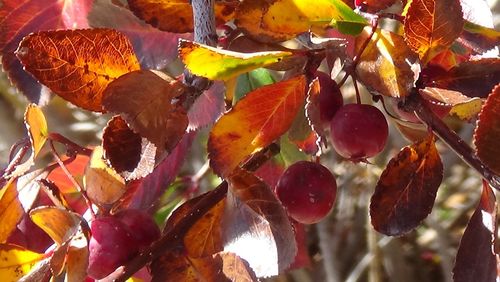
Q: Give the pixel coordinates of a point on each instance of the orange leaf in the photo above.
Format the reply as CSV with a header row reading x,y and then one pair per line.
x,y
431,26
15,262
58,223
78,64
11,209
177,15
257,227
76,168
387,65
255,121
407,188
145,99
487,132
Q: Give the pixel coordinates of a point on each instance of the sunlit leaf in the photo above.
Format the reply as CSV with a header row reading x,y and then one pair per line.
x,y
176,15
15,262
77,258
487,132
257,226
254,122
476,259
474,78
59,223
35,123
19,18
102,183
217,64
480,37
464,107
407,188
431,26
76,168
250,81
11,210
279,20
78,64
146,100
387,65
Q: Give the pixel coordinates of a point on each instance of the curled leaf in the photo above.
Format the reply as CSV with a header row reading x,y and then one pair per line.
x,y
58,223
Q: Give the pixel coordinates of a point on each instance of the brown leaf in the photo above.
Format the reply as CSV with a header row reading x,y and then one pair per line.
x,y
257,226
487,131
387,65
466,108
146,100
476,259
262,116
407,188
473,78
431,26
58,223
78,64
177,15
11,210
235,268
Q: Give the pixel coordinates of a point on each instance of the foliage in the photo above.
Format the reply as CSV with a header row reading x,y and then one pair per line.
x,y
424,61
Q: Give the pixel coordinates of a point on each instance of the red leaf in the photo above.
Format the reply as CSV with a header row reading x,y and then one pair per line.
x,y
476,259
207,108
407,188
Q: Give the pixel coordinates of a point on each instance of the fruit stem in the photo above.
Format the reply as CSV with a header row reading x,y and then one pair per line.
x,y
71,146
178,231
16,159
414,103
350,69
355,83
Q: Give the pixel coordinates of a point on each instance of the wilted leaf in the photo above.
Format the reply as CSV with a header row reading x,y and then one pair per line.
x,y
102,183
464,107
15,262
217,64
254,122
257,226
473,78
19,18
407,188
476,259
147,100
35,123
11,210
176,15
58,223
387,65
78,64
487,131
431,26
279,20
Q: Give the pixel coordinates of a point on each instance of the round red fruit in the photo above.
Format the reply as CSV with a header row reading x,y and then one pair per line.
x,y
307,190
330,97
359,131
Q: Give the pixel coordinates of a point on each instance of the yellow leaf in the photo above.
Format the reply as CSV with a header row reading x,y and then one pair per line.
x,y
11,210
217,64
102,183
262,116
58,223
15,262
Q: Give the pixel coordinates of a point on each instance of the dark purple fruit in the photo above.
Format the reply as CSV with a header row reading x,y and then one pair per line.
x,y
359,131
307,190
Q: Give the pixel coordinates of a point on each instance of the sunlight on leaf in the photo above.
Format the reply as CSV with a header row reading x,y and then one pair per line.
x,y
11,209
15,262
254,122
463,107
78,64
218,64
407,188
431,26
58,223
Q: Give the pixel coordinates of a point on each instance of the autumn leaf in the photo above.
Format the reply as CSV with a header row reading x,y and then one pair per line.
x,y
431,26
476,259
11,210
254,122
177,15
407,188
473,78
58,223
77,258
487,131
102,183
207,108
76,168
35,123
15,262
463,107
18,18
481,38
257,226
279,20
217,64
387,65
146,101
78,64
